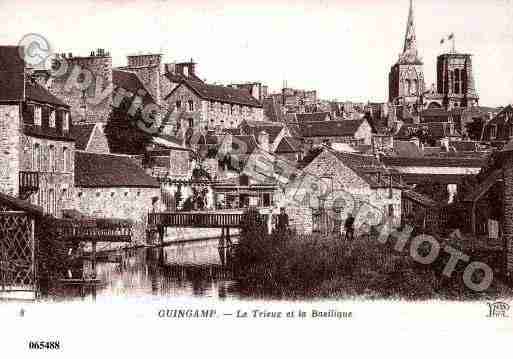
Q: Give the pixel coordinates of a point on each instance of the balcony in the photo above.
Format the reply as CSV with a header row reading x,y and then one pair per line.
x,y
29,184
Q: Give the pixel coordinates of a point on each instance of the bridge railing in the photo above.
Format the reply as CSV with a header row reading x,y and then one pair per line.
x,y
206,220
95,230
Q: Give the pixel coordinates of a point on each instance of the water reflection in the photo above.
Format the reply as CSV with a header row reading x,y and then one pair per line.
x,y
190,269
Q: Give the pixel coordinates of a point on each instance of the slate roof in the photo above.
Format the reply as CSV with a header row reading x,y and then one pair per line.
x,y
11,86
177,78
82,133
460,146
452,161
484,186
420,198
220,93
436,130
330,128
313,117
36,92
14,86
130,82
406,149
105,170
433,178
435,115
273,130
272,110
249,142
367,167
289,145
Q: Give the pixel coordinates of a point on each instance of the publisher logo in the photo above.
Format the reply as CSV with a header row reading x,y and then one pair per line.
x,y
498,310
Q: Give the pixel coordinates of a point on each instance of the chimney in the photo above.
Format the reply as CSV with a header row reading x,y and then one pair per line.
x,y
263,140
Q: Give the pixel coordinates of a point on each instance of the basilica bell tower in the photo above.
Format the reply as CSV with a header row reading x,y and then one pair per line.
x,y
406,78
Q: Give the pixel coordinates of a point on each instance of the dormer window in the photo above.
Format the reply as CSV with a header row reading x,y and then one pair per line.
x,y
51,119
178,104
37,115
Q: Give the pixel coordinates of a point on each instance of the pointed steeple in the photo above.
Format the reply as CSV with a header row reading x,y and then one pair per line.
x,y
410,53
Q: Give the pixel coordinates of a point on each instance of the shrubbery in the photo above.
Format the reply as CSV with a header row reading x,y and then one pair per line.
x,y
314,266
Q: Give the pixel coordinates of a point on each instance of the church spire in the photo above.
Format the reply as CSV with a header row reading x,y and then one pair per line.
x,y
410,53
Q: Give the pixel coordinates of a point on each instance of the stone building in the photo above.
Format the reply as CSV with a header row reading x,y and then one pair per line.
x,y
256,89
37,148
84,83
353,132
113,186
200,106
348,180
499,130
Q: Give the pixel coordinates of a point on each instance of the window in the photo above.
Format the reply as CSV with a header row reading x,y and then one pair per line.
x,y
510,130
211,105
190,121
51,159
36,158
51,202
65,122
65,164
493,131
457,81
51,118
178,104
37,115
231,109
191,105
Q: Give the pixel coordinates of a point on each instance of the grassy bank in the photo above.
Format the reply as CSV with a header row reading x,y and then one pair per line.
x,y
285,266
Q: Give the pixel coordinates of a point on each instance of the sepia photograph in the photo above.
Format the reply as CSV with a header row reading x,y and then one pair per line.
x,y
206,166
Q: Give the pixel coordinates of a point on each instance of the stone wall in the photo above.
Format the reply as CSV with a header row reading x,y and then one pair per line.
x,y
119,202
10,147
57,180
98,95
179,164
184,95
147,68
207,114
300,219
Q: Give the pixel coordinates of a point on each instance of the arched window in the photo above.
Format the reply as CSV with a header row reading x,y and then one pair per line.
x,y
457,81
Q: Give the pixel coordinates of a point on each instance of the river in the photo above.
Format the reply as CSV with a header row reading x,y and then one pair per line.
x,y
189,269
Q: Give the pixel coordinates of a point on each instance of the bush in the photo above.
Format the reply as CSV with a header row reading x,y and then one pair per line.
x,y
285,266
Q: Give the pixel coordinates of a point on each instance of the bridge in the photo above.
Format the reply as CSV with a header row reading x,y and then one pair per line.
x,y
196,220
223,220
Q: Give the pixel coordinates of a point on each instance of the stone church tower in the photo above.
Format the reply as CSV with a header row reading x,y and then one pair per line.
x,y
406,78
455,80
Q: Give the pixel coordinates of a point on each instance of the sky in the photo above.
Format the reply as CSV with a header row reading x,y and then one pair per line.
x,y
341,48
